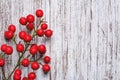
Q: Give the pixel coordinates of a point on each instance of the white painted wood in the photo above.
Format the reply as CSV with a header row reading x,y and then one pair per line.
x,y
85,44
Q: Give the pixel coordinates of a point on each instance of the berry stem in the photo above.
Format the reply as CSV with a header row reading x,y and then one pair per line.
x,y
36,59
2,55
3,72
28,56
14,39
40,63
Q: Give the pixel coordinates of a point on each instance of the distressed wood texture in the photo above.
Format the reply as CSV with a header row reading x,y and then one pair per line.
x,y
86,41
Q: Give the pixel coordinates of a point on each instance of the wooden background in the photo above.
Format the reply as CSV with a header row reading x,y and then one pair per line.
x,y
86,41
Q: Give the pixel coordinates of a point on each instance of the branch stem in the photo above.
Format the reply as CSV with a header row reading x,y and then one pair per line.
x,y
3,72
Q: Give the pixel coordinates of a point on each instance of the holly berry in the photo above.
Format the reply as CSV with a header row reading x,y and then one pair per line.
x,y
28,38
9,50
2,62
46,59
22,34
17,77
30,18
8,34
3,47
12,28
23,21
46,68
42,49
20,47
31,75
33,49
48,33
30,26
39,13
35,65
40,32
44,26
17,74
34,45
25,62
31,79
24,78
18,71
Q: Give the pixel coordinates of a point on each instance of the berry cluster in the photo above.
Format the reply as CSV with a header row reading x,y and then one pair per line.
x,y
25,44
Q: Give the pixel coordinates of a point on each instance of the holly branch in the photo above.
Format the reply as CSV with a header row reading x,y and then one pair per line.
x,y
26,44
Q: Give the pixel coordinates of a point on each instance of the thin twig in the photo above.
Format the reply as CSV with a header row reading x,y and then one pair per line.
x,y
2,55
36,59
40,63
14,39
3,72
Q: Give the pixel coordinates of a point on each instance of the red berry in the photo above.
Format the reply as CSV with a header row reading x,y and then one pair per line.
x,y
39,13
31,75
8,34
44,26
46,59
3,47
46,68
34,45
30,18
23,21
18,71
9,50
25,62
16,77
31,79
28,38
40,32
2,62
33,49
12,28
48,33
30,26
22,34
24,78
35,65
42,49
20,47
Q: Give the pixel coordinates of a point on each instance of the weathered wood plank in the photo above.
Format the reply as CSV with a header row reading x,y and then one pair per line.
x,y
85,45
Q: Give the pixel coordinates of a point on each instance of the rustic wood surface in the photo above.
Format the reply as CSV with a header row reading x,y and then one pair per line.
x,y
86,41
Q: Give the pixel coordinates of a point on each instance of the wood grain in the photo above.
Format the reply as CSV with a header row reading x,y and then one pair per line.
x,y
85,44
